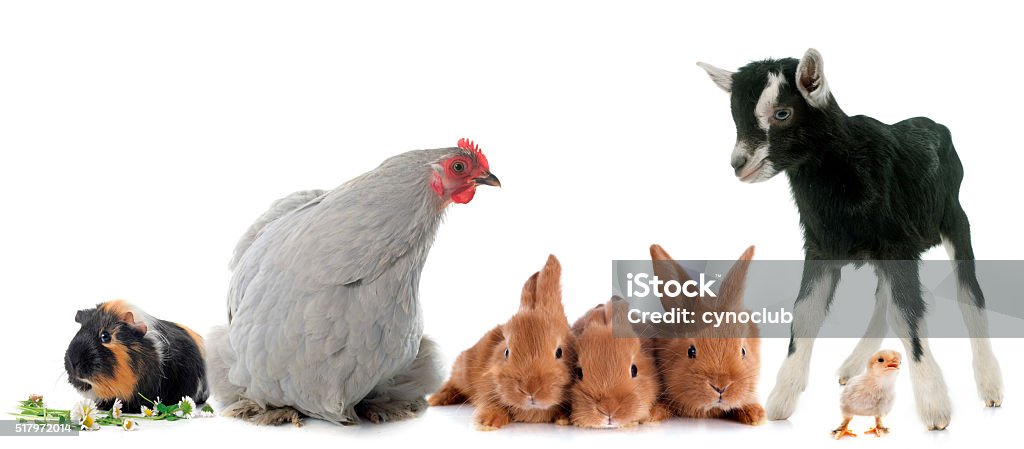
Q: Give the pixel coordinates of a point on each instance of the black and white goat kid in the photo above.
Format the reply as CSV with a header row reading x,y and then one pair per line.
x,y
866,192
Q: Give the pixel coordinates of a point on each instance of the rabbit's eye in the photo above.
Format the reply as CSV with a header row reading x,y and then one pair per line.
x,y
743,352
105,337
632,370
692,352
578,372
558,352
506,353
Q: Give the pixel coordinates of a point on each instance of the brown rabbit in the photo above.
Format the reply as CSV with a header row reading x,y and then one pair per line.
x,y
617,381
519,371
714,372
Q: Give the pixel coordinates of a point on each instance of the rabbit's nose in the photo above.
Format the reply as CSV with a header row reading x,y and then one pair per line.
x,y
721,390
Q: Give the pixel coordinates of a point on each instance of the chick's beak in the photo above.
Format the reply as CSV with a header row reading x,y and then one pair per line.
x,y
893,365
489,180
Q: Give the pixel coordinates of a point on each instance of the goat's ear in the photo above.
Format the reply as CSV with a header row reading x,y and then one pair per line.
x,y
721,77
810,79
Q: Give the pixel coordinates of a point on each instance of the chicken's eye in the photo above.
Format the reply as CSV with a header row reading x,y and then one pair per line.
x,y
458,167
105,337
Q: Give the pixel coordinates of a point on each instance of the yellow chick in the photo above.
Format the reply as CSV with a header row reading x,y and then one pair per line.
x,y
871,393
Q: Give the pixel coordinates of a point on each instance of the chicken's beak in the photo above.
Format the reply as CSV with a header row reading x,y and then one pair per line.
x,y
489,180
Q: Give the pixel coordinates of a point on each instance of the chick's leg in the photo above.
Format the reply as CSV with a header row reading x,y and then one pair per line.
x,y
844,429
879,429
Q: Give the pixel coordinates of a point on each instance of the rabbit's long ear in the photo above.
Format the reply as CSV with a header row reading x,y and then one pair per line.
x,y
549,284
529,297
616,315
730,295
595,315
665,267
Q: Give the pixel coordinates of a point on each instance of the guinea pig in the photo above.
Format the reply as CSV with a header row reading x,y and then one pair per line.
x,y
120,352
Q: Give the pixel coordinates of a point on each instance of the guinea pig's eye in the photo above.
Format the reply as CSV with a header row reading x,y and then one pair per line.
x,y
632,370
782,114
458,167
558,352
743,352
578,372
506,352
105,337
881,360
692,352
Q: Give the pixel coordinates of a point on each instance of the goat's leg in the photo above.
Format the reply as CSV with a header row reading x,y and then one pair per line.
x,y
987,374
906,315
872,339
817,288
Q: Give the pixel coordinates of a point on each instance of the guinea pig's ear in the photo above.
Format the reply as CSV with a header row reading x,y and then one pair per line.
x,y
129,319
83,315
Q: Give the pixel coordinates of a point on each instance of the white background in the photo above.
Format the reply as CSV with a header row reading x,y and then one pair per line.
x,y
139,140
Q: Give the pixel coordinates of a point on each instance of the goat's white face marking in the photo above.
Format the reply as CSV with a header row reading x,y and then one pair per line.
x,y
758,168
768,99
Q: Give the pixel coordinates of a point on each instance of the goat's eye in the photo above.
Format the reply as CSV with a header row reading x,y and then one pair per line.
x,y
506,353
105,337
632,370
458,167
558,352
782,114
692,352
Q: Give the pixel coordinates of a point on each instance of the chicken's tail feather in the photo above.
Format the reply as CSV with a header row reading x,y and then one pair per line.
x,y
219,359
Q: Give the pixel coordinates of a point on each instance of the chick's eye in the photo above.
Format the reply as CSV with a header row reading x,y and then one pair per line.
x,y
105,337
558,353
458,167
782,114
632,370
506,353
881,360
692,352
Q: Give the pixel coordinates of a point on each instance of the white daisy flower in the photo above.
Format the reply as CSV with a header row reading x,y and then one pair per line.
x,y
84,414
186,408
115,411
129,425
147,412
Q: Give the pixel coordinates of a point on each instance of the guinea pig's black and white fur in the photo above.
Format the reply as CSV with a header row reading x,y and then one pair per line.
x,y
121,351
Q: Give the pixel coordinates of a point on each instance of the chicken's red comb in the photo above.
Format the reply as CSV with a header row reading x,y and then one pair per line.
x,y
472,147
